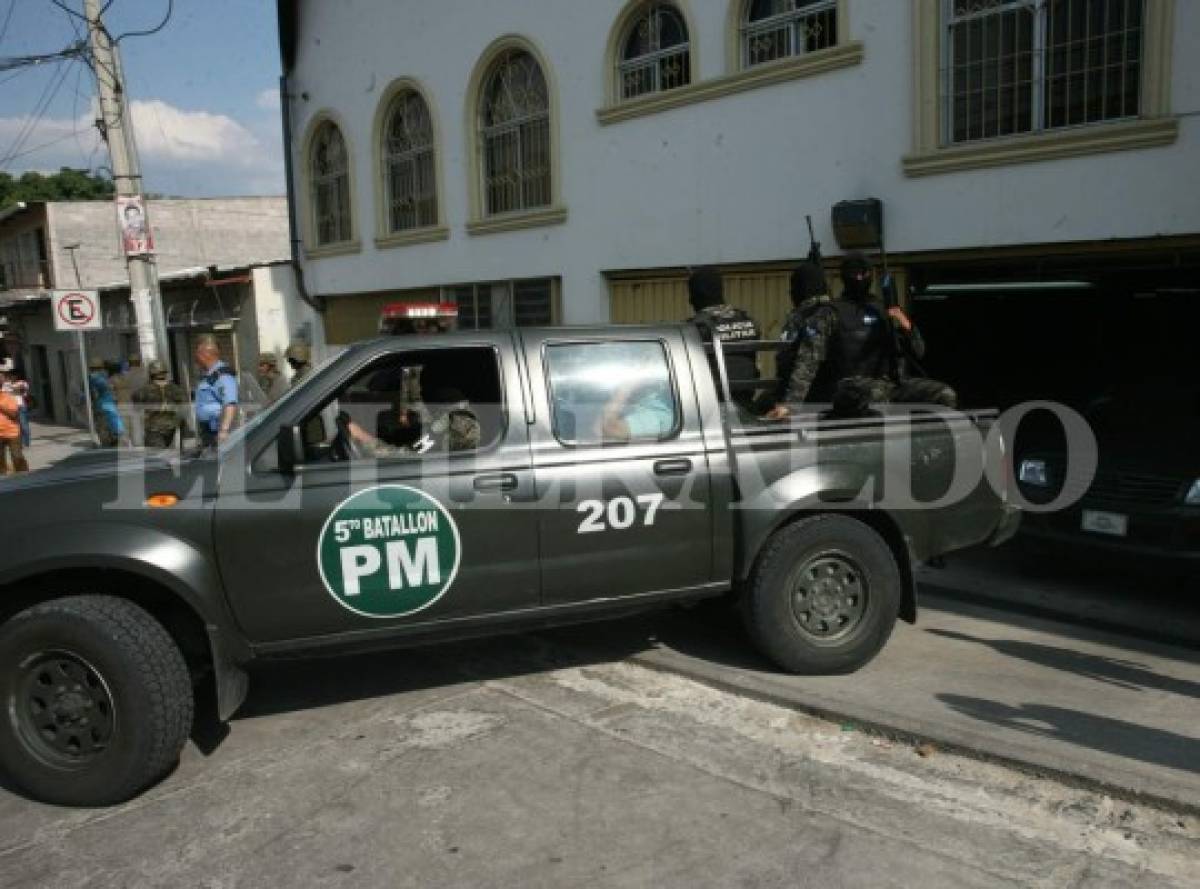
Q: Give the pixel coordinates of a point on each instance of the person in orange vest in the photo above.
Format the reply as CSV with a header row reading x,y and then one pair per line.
x,y
10,431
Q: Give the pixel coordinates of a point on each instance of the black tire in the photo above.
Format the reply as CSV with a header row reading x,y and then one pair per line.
x,y
96,701
824,596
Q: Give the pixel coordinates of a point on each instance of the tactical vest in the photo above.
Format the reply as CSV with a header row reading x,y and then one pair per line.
x,y
862,346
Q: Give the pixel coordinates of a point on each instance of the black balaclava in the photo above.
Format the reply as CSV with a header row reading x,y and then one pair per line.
x,y
856,277
705,289
808,280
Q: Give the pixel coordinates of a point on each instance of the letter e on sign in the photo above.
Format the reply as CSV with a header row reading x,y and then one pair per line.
x,y
76,310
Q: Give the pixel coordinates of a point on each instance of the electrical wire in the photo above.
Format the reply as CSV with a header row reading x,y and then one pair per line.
x,y
12,4
53,85
73,51
68,10
28,151
150,31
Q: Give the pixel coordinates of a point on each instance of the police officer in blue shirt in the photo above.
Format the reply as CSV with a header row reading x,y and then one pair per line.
x,y
217,395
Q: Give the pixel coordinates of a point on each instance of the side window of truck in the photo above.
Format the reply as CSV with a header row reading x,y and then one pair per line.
x,y
413,404
612,393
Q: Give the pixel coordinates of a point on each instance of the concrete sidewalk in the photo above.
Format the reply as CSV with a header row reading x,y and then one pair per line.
x,y
53,443
1119,714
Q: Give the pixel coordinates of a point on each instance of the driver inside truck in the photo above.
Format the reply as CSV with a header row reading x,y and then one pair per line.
x,y
452,427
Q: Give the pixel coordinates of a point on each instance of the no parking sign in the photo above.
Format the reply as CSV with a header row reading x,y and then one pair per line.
x,y
76,310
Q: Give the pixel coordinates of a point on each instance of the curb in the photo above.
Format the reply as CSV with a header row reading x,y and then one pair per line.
x,y
1022,758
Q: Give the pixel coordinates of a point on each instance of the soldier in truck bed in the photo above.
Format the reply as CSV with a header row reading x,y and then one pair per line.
x,y
706,293
844,353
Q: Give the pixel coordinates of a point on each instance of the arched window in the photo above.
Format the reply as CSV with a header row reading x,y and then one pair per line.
x,y
515,135
777,29
409,169
329,176
655,53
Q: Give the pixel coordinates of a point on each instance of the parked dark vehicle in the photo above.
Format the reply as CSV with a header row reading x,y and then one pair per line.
x,y
1144,502
595,472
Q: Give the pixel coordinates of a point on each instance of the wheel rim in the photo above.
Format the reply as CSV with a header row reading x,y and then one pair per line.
x,y
64,710
829,595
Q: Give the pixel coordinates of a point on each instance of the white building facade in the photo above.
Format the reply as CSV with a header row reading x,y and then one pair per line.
x,y
549,161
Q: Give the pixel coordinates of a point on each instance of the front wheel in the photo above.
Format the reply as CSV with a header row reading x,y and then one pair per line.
x,y
95,700
824,596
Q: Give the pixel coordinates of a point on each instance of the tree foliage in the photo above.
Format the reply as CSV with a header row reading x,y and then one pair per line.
x,y
65,185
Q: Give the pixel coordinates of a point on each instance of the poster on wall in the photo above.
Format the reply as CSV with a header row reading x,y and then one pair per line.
x,y
136,238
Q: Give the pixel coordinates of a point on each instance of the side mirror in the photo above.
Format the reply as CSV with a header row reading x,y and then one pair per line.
x,y
289,446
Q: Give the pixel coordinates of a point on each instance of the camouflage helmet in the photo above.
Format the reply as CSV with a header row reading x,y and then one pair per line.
x,y
156,369
299,352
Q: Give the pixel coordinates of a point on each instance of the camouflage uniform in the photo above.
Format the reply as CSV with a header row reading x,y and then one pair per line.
x,y
732,325
794,327
163,406
809,373
272,383
457,430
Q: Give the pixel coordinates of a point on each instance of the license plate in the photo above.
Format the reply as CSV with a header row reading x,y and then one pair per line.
x,y
1111,523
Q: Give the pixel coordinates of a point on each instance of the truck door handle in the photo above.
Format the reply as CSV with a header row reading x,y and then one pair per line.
x,y
501,481
673,467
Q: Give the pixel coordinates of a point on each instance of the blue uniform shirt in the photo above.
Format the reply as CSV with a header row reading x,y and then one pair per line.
x,y
217,389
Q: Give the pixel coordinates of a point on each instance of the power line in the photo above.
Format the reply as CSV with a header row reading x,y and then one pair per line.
x,y
37,148
52,87
151,31
12,4
68,10
73,51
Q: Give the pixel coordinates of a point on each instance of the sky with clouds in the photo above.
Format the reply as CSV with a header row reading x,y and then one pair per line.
x,y
204,92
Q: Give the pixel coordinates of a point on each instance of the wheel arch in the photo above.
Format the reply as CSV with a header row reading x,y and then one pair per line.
x,y
211,653
886,525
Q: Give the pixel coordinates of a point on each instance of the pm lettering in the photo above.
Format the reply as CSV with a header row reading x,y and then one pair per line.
x,y
406,567
618,514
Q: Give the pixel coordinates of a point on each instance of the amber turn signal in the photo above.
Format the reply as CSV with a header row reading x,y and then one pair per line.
x,y
156,500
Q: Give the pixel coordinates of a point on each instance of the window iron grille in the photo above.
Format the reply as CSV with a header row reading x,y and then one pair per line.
x,y
516,136
779,29
1027,66
331,186
656,54
409,166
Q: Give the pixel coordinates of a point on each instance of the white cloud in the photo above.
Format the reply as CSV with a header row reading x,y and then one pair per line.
x,y
164,131
182,151
268,100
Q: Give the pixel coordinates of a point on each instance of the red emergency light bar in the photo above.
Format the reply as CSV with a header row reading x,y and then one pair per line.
x,y
401,311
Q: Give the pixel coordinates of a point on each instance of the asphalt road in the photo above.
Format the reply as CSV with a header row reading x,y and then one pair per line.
x,y
523,762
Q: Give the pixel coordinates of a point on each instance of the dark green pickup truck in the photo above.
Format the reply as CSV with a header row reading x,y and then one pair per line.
x,y
540,477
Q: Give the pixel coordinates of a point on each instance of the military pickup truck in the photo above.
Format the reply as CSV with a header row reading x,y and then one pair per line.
x,y
539,477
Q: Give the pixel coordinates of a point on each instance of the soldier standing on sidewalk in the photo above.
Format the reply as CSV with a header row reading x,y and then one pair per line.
x,y
163,405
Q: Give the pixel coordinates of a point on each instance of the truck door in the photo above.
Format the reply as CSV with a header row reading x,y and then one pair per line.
x,y
389,538
620,466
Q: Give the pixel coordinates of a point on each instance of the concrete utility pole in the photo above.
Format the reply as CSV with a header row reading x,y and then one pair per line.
x,y
118,133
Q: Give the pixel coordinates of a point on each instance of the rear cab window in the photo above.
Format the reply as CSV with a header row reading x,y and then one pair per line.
x,y
612,393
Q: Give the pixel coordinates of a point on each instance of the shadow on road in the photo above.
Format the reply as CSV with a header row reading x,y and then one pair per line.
x,y
1016,615
293,685
1124,674
1102,733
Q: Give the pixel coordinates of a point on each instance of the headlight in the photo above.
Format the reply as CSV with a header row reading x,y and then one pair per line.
x,y
1033,472
1193,494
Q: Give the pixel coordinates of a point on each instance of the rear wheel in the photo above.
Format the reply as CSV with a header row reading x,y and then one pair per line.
x,y
95,700
824,596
